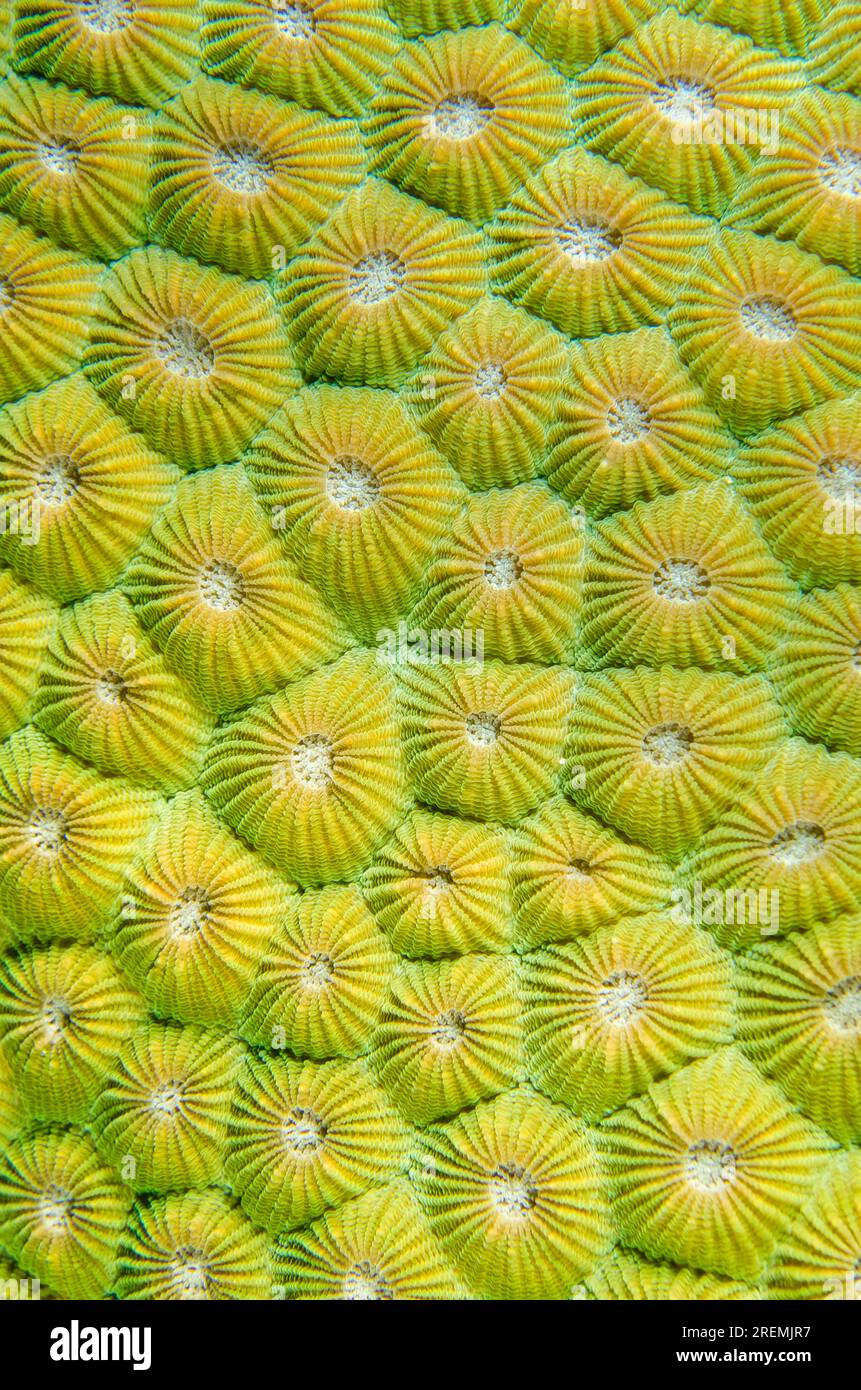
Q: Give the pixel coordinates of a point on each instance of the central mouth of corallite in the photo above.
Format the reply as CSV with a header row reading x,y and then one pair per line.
x,y
585,241
460,115
221,586
167,1099
840,170
58,480
680,581
59,155
483,728
242,167
489,381
710,1165
448,1030
622,997
798,844
312,761
364,1282
189,913
303,1132
513,1192
56,1016
191,1273
184,350
683,99
502,569
628,420
840,478
351,485
111,689
46,829
318,971
667,744
438,879
377,277
768,318
55,1207
106,16
843,1005
293,21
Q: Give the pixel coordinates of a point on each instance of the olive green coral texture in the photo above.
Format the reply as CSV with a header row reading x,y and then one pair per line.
x,y
430,649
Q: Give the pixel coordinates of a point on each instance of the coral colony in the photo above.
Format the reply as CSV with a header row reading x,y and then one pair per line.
x,y
430,650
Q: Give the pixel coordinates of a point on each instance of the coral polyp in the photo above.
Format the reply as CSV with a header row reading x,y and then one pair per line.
x,y
570,874
320,988
571,35
239,179
511,571
138,52
611,1013
513,1192
710,1166
686,581
106,695
660,754
359,497
368,294
817,675
83,487
766,329
685,106
66,838
313,777
191,1247
591,249
311,51
448,1036
211,586
438,887
487,742
304,1137
195,360
461,118
69,168
486,393
196,914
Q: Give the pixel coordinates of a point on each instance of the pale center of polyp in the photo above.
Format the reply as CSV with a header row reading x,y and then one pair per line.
x,y
628,420
111,689
303,1132
293,21
448,1030
59,156
710,1165
106,16
55,1207
364,1282
184,350
513,1192
768,318
189,912
482,728
460,116
680,581
489,381
221,586
58,480
46,830
684,100
840,478
840,170
797,844
843,1005
584,240
502,569
312,761
667,744
318,972
376,277
242,167
350,484
621,997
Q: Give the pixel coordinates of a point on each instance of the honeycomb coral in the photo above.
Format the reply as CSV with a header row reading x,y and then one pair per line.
x,y
430,660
